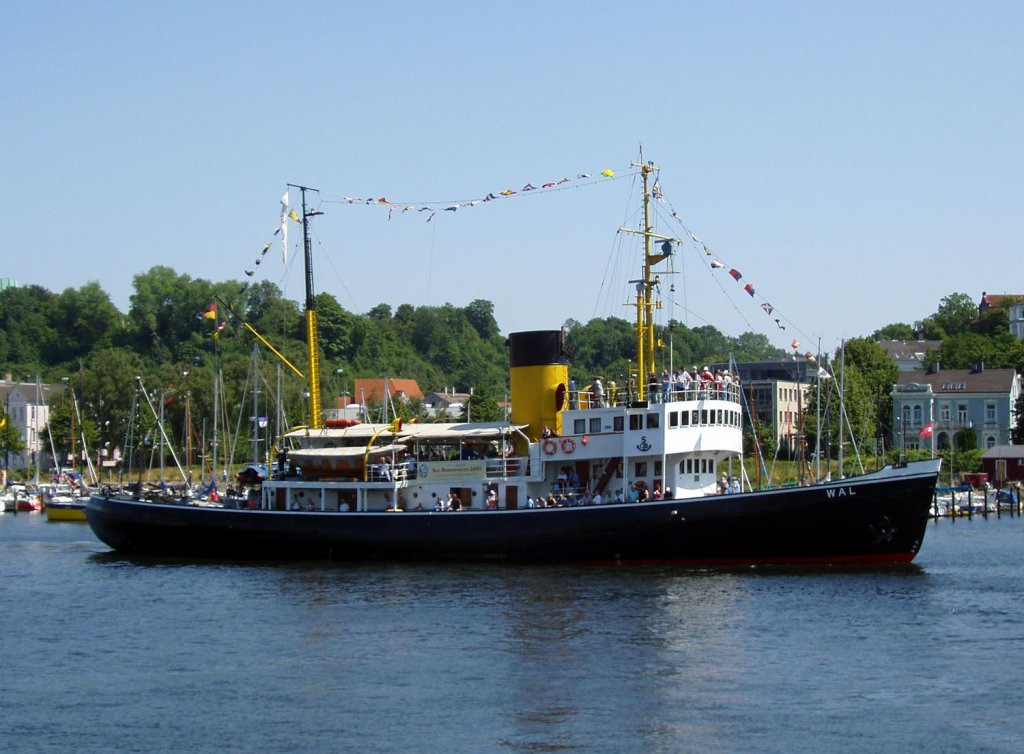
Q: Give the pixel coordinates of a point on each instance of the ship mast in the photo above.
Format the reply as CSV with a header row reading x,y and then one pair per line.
x,y
312,339
645,303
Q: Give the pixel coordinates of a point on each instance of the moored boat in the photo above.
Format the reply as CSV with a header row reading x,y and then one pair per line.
x,y
607,475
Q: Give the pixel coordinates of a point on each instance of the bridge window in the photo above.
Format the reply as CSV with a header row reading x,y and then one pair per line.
x,y
617,423
673,418
653,421
595,425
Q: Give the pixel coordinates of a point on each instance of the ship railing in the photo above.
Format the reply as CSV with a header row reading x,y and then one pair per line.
x,y
500,468
689,391
401,472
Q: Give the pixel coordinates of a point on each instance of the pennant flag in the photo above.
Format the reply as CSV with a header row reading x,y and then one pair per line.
x,y
262,422
749,288
707,250
490,197
735,273
768,308
529,187
549,184
507,192
284,229
795,344
431,216
211,313
926,430
823,374
779,323
408,208
608,173
3,422
220,328
716,264
452,208
295,216
583,175
809,356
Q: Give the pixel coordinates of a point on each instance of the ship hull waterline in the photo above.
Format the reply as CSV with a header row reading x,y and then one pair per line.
x,y
870,521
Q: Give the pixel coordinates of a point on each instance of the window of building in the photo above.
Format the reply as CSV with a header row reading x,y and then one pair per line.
x,y
640,469
917,416
595,425
617,423
990,442
636,421
990,412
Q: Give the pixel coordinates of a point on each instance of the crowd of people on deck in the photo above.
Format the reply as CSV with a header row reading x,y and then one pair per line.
x,y
678,385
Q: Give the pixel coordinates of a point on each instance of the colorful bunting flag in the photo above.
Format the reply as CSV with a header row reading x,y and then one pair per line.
x,y
736,274
749,288
717,263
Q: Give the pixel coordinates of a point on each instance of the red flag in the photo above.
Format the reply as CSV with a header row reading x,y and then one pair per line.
x,y
735,273
926,430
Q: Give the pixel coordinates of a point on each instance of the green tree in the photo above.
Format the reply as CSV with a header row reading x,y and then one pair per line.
x,y
483,407
895,331
83,320
480,314
955,314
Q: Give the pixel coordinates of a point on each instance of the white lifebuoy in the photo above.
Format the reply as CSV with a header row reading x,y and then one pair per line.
x,y
550,446
568,445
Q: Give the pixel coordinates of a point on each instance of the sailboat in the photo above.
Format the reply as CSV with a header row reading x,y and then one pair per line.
x,y
616,475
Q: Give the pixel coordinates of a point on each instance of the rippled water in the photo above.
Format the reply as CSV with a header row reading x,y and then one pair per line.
x,y
103,653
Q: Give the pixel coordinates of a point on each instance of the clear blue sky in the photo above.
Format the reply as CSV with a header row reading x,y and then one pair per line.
x,y
856,161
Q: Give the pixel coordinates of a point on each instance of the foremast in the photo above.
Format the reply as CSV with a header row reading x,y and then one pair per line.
x,y
645,300
312,337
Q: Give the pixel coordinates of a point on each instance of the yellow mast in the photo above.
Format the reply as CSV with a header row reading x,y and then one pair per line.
x,y
645,303
312,339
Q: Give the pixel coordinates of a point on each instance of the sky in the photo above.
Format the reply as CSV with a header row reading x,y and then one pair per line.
x,y
856,162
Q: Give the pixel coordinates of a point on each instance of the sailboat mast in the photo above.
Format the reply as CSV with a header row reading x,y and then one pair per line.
x,y
312,339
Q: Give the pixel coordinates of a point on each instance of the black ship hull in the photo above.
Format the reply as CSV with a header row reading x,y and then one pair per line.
x,y
877,518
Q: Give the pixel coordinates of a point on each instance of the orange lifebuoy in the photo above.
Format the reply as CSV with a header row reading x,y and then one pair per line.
x,y
568,445
550,446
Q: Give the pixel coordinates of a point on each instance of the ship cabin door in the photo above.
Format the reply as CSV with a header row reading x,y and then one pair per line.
x,y
511,497
465,496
